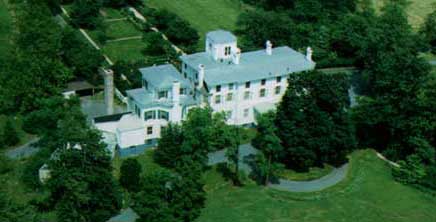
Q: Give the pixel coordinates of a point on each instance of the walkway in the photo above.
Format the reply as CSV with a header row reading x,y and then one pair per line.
x,y
247,152
24,150
125,38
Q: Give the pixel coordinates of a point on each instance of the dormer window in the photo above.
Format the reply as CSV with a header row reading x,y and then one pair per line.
x,y
247,84
218,88
163,94
279,79
182,91
231,86
263,82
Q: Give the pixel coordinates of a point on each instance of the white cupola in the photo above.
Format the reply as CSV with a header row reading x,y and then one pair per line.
x,y
221,44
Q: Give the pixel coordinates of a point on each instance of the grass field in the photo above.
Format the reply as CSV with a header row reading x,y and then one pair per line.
x,y
368,194
203,15
417,10
128,50
121,29
5,27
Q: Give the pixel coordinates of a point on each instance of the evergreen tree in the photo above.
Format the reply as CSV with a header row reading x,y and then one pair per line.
x,y
130,174
312,121
10,134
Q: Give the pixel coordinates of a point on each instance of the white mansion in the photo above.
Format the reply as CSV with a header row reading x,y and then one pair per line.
x,y
240,84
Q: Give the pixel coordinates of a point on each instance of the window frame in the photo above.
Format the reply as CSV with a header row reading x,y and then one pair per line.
x,y
149,130
262,93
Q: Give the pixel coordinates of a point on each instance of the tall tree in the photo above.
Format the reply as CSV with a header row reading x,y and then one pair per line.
x,y
428,31
267,140
130,174
10,134
168,150
313,122
86,13
82,187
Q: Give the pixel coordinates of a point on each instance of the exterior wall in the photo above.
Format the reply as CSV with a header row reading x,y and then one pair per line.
x,y
238,105
130,138
107,126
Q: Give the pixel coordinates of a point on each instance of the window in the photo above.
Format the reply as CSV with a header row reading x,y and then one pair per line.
x,y
149,130
145,84
163,94
262,93
246,95
247,84
163,115
137,111
279,79
217,99
196,75
229,114
263,82
229,97
231,86
227,50
218,88
149,115
278,90
182,91
246,112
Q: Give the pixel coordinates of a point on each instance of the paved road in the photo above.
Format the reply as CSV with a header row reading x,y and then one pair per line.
x,y
336,176
23,151
246,151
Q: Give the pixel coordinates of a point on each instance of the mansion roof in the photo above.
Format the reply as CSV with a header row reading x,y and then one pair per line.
x,y
146,99
163,76
253,65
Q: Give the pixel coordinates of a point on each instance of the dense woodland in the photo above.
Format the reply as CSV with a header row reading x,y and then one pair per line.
x,y
313,125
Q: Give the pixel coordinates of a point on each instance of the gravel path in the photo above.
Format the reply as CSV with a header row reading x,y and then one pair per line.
x,y
246,151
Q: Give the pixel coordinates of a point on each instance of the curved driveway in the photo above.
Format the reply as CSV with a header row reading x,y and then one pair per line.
x,y
247,150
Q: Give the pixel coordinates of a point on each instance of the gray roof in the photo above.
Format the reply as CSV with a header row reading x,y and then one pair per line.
x,y
221,36
163,76
145,99
254,65
129,122
127,215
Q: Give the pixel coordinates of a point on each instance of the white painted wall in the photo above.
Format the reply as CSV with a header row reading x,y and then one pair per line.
x,y
239,104
130,138
217,51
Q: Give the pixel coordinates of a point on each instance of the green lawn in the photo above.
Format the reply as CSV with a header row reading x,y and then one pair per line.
x,y
368,194
203,15
128,50
121,29
417,10
5,27
110,13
